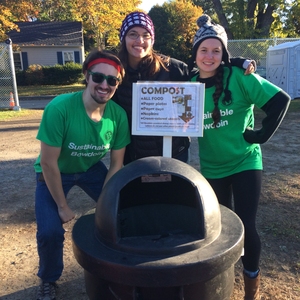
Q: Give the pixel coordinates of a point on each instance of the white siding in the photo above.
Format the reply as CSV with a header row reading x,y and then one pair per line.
x,y
47,56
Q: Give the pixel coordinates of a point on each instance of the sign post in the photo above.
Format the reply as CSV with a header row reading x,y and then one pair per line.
x,y
168,109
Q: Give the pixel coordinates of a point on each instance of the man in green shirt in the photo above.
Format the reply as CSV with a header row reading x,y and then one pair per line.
x,y
76,132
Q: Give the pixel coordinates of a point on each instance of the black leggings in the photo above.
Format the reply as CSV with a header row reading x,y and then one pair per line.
x,y
245,188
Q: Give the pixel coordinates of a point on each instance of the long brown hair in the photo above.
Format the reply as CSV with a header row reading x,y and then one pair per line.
x,y
149,65
216,115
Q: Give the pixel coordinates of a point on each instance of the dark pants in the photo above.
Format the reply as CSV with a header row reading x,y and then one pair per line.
x,y
240,192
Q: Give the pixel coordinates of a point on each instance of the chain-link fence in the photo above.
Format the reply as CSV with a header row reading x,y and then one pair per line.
x,y
255,49
8,87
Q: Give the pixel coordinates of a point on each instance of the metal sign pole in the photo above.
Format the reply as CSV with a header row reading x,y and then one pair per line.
x,y
12,67
167,146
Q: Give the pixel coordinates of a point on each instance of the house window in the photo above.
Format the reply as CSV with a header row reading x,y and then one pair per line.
x,y
18,61
68,56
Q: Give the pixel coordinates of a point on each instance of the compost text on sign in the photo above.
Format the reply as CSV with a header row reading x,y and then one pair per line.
x,y
168,108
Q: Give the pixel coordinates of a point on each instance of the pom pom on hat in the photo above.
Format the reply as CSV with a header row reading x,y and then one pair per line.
x,y
208,29
134,19
204,19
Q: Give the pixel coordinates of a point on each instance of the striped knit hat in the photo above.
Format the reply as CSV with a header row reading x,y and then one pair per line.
x,y
208,29
134,19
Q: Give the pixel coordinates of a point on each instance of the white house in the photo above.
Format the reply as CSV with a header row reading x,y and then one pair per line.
x,y
47,43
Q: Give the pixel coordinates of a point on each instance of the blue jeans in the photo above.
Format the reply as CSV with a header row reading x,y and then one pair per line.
x,y
50,231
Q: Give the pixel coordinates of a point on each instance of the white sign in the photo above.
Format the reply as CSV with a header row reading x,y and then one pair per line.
x,y
168,108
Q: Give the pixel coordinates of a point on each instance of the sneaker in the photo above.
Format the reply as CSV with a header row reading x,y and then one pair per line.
x,y
46,291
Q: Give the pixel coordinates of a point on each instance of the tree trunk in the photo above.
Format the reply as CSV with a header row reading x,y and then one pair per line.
x,y
250,12
264,21
222,18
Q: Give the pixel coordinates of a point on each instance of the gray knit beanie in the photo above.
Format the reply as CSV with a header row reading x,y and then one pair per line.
x,y
208,29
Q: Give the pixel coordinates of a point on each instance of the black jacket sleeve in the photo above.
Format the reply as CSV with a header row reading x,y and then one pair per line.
x,y
178,70
239,61
275,110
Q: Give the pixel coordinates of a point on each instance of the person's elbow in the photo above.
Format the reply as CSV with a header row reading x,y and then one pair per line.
x,y
46,164
49,156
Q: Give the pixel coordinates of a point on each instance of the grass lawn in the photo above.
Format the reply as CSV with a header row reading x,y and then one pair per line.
x,y
33,90
41,90
6,115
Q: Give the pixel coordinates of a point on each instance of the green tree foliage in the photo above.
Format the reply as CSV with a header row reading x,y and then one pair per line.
x,y
292,23
175,27
14,11
57,10
254,19
206,5
103,18
6,23
22,10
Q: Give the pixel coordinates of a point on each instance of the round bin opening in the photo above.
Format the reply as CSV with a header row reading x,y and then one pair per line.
x,y
155,205
160,205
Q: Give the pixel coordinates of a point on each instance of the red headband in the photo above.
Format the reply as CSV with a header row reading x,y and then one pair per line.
x,y
105,61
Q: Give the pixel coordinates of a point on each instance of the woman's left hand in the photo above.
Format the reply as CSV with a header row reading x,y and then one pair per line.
x,y
250,69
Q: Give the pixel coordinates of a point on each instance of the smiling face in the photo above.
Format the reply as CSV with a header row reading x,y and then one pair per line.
x,y
101,92
209,57
138,44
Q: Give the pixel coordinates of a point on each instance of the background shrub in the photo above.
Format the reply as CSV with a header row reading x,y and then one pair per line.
x,y
69,73
34,75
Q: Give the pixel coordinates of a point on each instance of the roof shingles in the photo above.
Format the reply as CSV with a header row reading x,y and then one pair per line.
x,y
47,34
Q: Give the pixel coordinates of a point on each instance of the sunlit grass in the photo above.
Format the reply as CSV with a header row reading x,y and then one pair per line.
x,y
41,90
6,115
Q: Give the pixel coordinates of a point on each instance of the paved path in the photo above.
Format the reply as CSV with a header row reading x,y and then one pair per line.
x,y
37,102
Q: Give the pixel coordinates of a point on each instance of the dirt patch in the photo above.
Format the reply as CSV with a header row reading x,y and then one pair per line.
x,y
278,216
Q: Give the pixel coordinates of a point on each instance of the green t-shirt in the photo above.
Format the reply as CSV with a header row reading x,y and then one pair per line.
x,y
223,150
83,141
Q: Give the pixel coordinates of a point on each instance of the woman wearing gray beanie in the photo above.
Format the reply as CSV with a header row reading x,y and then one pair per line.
x,y
142,62
229,151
